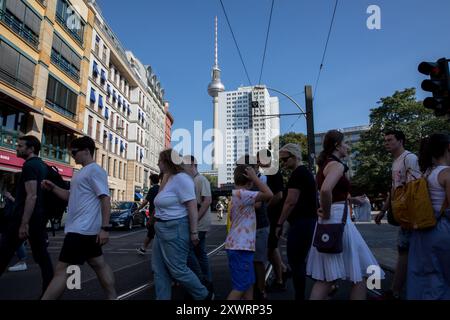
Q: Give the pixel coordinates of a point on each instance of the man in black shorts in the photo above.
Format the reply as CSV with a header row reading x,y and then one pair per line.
x,y
149,199
87,221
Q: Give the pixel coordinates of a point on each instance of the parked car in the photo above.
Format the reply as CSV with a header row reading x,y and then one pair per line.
x,y
122,215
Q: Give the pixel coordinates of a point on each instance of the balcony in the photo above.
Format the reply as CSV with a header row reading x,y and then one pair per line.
x,y
61,110
65,66
8,138
72,32
56,153
19,28
15,82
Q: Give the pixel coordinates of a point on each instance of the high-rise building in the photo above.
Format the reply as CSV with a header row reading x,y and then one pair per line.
x,y
247,125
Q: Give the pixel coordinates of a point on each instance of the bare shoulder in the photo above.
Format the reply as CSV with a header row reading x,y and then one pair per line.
x,y
444,177
333,166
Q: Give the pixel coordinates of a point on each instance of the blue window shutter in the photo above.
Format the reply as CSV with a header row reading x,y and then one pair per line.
x,y
117,140
106,113
100,101
120,100
110,137
114,95
92,95
95,69
103,75
108,89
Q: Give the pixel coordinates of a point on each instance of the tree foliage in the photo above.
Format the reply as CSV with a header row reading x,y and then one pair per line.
x,y
401,111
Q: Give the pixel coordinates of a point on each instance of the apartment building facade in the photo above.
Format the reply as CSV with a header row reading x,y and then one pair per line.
x,y
44,59
63,74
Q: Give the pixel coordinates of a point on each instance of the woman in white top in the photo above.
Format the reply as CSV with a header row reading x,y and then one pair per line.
x,y
175,227
429,264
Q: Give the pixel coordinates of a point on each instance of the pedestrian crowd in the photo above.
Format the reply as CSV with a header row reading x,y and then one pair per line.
x,y
315,214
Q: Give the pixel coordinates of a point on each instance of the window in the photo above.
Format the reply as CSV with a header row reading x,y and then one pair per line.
x,y
105,49
60,98
15,69
12,125
103,161
90,119
109,166
97,45
114,168
74,26
55,143
65,58
22,20
124,171
97,131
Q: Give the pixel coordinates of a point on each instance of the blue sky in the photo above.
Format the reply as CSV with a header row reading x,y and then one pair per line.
x,y
176,37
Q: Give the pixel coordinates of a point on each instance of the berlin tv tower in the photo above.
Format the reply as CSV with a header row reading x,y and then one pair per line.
x,y
214,88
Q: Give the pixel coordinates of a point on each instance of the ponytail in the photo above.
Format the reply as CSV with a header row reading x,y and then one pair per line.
x,y
330,141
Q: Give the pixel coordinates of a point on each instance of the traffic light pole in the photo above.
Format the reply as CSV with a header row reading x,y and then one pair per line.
x,y
310,128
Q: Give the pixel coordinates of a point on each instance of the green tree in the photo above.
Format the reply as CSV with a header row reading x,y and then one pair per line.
x,y
298,138
401,111
212,180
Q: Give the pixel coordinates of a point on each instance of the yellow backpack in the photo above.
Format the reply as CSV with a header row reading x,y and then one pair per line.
x,y
412,206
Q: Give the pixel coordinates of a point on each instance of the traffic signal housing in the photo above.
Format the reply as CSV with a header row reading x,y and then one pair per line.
x,y
438,85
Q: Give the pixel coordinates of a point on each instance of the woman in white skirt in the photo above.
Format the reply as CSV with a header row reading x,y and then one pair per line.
x,y
353,262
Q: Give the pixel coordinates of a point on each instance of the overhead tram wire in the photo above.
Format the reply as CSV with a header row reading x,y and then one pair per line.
x,y
265,46
325,49
235,42
323,57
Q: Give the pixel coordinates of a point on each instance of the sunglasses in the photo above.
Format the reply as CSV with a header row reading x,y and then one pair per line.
x,y
74,152
284,159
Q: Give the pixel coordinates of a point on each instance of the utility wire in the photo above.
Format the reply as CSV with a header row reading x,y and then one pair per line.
x,y
265,46
235,42
323,58
325,50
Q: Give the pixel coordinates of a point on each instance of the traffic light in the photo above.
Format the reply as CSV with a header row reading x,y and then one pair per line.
x,y
438,84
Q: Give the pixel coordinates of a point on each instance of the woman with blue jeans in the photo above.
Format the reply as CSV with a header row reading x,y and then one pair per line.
x,y
176,227
428,276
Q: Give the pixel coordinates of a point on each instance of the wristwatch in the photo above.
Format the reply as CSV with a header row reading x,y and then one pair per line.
x,y
106,228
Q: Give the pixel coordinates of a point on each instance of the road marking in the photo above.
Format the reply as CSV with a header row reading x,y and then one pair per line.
x,y
135,291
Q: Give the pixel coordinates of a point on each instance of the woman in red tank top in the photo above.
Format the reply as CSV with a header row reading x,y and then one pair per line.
x,y
351,264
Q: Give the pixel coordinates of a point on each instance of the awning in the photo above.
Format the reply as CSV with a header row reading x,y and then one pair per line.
x,y
64,126
138,195
14,102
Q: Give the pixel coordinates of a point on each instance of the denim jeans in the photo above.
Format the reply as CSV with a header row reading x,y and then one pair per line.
x,y
198,259
169,260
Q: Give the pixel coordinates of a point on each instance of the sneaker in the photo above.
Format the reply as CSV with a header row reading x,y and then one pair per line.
x,y
19,266
141,251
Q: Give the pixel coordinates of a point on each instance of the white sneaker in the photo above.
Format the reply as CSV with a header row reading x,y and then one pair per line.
x,y
19,266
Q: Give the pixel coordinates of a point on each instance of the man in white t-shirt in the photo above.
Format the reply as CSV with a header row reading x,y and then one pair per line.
x,y
405,168
198,258
87,221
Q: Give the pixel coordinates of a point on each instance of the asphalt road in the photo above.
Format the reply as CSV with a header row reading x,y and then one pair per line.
x,y
133,271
